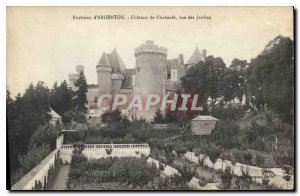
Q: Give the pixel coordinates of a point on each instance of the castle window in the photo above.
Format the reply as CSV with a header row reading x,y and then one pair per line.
x,y
168,74
174,75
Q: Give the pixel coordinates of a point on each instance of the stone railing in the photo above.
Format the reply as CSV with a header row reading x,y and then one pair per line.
x,y
97,151
106,146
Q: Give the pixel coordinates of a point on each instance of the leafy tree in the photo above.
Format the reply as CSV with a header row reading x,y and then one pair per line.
x,y
25,114
205,79
45,134
81,99
158,118
271,77
61,99
114,116
33,157
239,72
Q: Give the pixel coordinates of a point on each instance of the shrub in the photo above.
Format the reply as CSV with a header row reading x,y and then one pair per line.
x,y
46,134
226,178
33,157
78,160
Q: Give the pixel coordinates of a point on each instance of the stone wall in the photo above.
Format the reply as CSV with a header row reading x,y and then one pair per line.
x,y
193,184
238,169
38,173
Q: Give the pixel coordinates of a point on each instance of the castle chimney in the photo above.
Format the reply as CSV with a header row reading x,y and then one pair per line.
x,y
204,53
149,42
79,68
180,57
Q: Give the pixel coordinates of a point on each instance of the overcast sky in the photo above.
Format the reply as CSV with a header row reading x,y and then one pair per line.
x,y
45,43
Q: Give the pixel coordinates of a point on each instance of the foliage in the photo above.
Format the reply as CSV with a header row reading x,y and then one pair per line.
x,y
81,100
45,134
61,100
265,182
213,152
24,115
187,173
33,157
79,117
227,114
78,147
259,160
130,170
226,178
287,178
158,117
271,77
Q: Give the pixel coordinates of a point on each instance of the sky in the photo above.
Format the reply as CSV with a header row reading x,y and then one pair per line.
x,y
46,43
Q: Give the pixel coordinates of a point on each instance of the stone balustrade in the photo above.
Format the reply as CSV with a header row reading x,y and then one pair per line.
x,y
106,146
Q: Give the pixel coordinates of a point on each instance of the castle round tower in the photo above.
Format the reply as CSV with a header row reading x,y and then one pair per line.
x,y
104,71
150,69
150,73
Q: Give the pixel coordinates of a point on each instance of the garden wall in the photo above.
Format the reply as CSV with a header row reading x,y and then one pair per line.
x,y
239,168
170,171
38,173
97,151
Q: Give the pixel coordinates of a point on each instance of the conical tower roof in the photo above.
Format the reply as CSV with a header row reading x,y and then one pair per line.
x,y
117,64
104,60
196,57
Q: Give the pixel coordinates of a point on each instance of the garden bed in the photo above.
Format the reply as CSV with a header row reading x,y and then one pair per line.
x,y
124,173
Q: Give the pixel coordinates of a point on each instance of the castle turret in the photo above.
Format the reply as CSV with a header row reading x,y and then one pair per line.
x,y
150,68
79,68
150,72
104,71
196,57
204,53
74,77
118,71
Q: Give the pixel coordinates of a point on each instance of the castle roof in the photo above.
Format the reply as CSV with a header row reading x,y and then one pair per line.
x,y
116,62
172,63
104,60
127,82
112,60
205,117
196,57
53,114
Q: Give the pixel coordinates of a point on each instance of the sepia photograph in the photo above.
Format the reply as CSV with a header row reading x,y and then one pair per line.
x,y
150,98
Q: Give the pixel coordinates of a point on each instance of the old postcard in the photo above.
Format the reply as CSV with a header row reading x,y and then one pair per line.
x,y
150,98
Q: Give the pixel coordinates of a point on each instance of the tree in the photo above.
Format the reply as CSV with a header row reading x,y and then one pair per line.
x,y
239,72
205,79
81,99
271,77
25,114
61,100
158,118
45,134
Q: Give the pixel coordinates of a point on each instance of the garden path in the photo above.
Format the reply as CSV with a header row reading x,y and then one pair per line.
x,y
61,179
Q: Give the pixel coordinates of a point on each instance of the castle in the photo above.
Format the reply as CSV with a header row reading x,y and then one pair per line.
x,y
153,74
